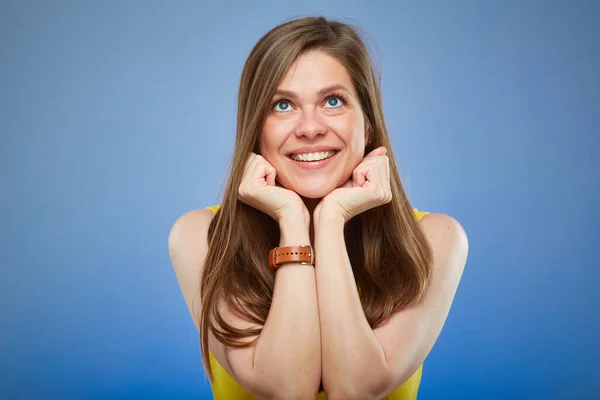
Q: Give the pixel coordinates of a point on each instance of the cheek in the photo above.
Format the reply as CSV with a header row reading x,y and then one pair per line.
x,y
352,127
353,160
268,140
355,140
270,143
356,146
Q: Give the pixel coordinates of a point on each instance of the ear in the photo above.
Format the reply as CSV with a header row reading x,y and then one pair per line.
x,y
368,135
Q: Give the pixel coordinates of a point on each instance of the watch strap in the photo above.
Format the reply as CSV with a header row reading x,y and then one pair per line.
x,y
302,254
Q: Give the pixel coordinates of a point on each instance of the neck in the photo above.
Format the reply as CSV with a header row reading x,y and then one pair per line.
x,y
311,204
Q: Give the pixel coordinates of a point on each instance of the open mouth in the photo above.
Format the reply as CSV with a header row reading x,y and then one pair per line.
x,y
313,157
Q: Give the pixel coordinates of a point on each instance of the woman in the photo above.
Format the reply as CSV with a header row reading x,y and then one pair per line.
x,y
354,313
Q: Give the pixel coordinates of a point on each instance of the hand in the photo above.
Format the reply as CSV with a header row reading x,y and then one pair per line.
x,y
260,190
368,187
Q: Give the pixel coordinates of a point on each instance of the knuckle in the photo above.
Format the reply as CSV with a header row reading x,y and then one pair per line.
x,y
243,191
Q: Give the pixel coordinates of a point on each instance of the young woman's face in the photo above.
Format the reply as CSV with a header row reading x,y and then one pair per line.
x,y
314,134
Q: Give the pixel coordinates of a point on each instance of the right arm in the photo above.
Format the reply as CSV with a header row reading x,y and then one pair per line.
x,y
285,361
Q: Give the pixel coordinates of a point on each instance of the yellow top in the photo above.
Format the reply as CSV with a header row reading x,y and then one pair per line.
x,y
225,387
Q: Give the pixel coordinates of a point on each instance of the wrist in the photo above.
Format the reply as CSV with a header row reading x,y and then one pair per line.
x,y
300,218
293,232
327,216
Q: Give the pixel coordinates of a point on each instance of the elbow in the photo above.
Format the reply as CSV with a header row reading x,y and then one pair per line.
x,y
295,393
348,392
372,387
351,393
295,388
296,396
278,392
342,393
363,387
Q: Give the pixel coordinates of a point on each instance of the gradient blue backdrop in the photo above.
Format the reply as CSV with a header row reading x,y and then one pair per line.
x,y
118,117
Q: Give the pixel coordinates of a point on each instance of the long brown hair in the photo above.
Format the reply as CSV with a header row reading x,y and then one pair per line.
x,y
389,254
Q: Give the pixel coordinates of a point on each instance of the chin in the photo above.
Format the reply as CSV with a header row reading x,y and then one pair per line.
x,y
313,194
317,192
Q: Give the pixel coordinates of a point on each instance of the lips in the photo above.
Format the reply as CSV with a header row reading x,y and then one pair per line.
x,y
310,157
312,149
314,165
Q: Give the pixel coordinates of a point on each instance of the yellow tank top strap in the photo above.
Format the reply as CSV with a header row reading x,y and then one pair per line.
x,y
419,214
214,209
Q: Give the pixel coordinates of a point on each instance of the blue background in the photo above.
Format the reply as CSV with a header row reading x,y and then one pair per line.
x,y
118,117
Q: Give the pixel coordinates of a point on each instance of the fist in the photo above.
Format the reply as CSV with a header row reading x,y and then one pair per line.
x,y
259,190
368,187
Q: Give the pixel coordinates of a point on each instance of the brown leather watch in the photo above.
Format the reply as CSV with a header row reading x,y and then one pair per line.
x,y
302,254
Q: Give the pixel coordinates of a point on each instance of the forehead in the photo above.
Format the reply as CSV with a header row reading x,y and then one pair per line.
x,y
314,70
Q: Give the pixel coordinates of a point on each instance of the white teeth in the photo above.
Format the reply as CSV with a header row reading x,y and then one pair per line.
x,y
312,156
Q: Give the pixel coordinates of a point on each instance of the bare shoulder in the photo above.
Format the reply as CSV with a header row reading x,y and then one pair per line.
x,y
189,229
188,244
448,241
441,222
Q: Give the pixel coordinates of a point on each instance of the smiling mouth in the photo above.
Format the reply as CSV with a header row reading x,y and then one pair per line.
x,y
313,157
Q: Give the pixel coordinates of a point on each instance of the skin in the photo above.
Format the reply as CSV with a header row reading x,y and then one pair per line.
x,y
357,362
336,344
311,120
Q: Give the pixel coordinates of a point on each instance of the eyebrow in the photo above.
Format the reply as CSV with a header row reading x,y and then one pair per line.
x,y
320,93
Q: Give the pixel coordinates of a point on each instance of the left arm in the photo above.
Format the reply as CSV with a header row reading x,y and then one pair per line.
x,y
363,363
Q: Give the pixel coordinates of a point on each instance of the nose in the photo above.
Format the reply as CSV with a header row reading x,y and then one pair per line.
x,y
309,125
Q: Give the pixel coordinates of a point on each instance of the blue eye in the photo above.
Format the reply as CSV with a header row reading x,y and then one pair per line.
x,y
334,102
282,106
